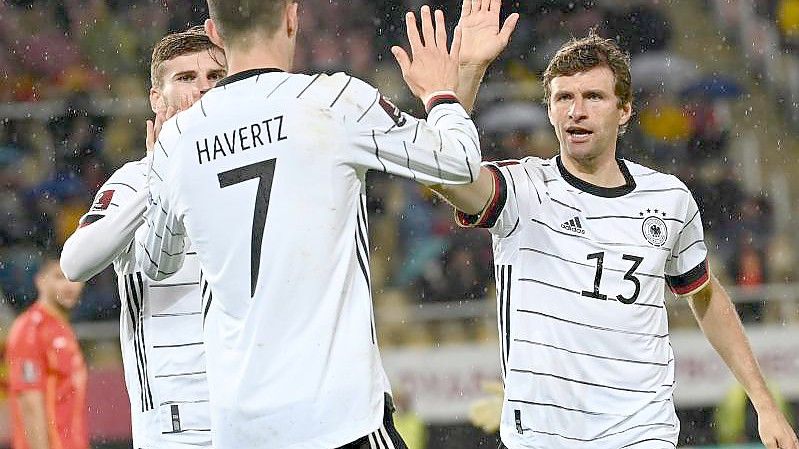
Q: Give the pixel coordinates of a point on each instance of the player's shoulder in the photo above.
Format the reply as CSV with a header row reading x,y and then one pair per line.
x,y
531,166
27,325
651,180
338,90
131,176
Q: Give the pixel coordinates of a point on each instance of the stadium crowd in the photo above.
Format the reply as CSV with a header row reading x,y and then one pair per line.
x,y
87,51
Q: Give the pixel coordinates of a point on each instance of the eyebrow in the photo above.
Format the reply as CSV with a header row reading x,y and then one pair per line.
x,y
184,72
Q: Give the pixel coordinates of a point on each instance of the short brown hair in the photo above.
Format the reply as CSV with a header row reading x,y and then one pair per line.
x,y
580,55
238,18
173,45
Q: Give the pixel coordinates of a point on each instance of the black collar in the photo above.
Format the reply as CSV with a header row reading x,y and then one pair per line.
x,y
245,74
607,192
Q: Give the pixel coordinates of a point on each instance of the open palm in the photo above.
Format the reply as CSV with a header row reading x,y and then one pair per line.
x,y
482,40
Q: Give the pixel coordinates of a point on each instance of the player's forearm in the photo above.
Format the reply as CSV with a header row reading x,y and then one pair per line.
x,y
34,419
92,247
469,198
163,249
719,321
469,79
459,145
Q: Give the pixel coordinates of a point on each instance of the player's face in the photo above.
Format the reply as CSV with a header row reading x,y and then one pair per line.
x,y
189,76
53,286
584,110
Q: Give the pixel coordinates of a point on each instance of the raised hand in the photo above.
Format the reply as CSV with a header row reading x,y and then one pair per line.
x,y
482,40
430,67
164,112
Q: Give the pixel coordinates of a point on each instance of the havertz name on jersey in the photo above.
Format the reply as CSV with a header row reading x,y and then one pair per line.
x,y
241,139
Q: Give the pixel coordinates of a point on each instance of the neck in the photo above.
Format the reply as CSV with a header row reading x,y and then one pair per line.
x,y
56,309
265,55
601,170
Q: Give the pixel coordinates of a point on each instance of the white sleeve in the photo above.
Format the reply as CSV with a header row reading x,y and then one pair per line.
x,y
686,268
444,149
501,214
163,249
108,227
95,244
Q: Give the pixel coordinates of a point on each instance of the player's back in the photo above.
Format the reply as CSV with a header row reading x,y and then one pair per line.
x,y
266,174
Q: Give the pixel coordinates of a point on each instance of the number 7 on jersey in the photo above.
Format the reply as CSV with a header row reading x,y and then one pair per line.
x,y
265,172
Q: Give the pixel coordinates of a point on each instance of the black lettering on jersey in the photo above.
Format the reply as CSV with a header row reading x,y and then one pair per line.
x,y
392,111
280,135
103,200
243,138
218,147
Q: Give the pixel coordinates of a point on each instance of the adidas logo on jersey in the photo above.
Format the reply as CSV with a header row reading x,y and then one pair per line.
x,y
573,225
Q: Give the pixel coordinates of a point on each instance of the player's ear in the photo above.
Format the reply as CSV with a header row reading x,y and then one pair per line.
x,y
213,33
292,19
626,113
155,98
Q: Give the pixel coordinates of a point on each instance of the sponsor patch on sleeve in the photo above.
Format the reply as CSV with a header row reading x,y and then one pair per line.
x,y
392,111
103,200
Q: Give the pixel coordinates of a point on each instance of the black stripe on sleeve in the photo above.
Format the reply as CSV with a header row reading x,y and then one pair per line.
x,y
377,152
208,305
89,219
532,183
689,281
469,166
349,80
161,146
408,160
377,96
309,84
278,86
202,108
177,125
119,184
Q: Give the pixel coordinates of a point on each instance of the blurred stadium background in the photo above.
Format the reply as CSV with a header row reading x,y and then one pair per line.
x,y
717,86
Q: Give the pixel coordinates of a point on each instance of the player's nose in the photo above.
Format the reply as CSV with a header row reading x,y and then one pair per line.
x,y
577,110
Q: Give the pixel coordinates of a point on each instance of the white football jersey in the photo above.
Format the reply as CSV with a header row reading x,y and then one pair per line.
x,y
266,173
160,334
581,272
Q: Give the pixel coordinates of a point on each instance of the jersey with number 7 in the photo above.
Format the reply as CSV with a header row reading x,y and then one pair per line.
x,y
266,174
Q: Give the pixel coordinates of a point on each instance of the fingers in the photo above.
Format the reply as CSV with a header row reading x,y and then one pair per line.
x,y
413,33
476,5
427,27
150,141
466,8
494,5
455,50
402,58
441,31
508,27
